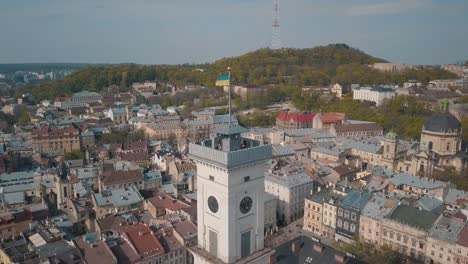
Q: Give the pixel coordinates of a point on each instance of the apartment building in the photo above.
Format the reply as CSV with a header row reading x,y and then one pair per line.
x,y
52,139
291,190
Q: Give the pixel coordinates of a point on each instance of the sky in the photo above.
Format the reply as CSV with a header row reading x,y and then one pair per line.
x,y
197,31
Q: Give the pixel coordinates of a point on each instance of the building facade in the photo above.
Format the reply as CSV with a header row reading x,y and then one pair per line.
x,y
53,139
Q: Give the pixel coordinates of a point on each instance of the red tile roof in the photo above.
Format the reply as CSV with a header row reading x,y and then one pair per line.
x,y
162,200
114,177
290,117
332,117
98,252
142,240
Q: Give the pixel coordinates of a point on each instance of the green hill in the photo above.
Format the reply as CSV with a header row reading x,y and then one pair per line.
x,y
313,66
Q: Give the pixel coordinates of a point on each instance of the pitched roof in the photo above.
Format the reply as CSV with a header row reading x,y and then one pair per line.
x,y
143,240
114,177
94,250
358,127
414,217
332,117
162,200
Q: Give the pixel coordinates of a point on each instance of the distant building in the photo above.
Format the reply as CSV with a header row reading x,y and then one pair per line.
x,y
320,212
287,120
247,92
335,89
79,99
372,215
412,83
405,230
442,238
348,215
94,249
374,94
327,120
290,190
117,201
391,67
53,139
366,129
119,115
454,68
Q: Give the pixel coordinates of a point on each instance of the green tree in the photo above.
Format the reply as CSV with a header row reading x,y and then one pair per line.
x,y
74,155
24,118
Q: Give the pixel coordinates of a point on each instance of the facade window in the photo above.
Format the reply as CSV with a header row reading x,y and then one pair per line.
x,y
352,227
391,234
346,214
405,239
398,237
346,225
339,223
413,242
340,212
385,232
421,245
353,216
211,178
246,178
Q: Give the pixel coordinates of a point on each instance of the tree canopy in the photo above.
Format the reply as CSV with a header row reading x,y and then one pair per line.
x,y
313,66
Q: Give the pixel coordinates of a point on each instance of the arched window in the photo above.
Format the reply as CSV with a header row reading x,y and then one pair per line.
x,y
448,146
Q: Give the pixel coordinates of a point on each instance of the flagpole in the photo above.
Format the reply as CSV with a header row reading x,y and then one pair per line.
x,y
229,95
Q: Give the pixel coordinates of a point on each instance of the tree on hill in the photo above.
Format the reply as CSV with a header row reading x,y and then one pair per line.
x,y
314,66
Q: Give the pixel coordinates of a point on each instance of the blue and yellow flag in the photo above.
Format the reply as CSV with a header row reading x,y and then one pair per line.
x,y
223,80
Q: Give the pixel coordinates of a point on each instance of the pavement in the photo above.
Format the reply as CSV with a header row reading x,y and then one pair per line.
x,y
292,231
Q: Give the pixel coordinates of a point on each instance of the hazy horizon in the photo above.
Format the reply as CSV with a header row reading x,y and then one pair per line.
x,y
177,32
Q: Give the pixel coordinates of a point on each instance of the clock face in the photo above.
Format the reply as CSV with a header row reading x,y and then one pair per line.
x,y
213,204
245,205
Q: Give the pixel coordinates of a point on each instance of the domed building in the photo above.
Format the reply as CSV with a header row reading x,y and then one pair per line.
x,y
440,146
441,133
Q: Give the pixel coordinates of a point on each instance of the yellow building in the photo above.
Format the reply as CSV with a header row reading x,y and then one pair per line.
x,y
53,139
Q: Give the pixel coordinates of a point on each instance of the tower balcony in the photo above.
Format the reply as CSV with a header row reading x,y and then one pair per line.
x,y
252,151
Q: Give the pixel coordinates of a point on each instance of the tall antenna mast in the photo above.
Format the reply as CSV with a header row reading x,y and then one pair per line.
x,y
229,95
275,34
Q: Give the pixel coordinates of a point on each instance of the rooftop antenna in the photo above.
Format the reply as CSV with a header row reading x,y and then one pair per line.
x,y
229,94
275,34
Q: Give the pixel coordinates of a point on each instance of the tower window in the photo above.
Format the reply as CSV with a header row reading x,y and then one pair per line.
x,y
246,178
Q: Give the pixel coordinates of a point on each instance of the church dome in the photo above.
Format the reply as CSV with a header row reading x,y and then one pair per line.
x,y
442,122
391,135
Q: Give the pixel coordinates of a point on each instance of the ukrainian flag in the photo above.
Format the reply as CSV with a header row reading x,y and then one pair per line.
x,y
223,80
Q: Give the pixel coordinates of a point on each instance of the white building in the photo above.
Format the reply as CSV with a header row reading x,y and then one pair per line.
x,y
373,94
79,99
119,115
391,67
291,191
230,198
